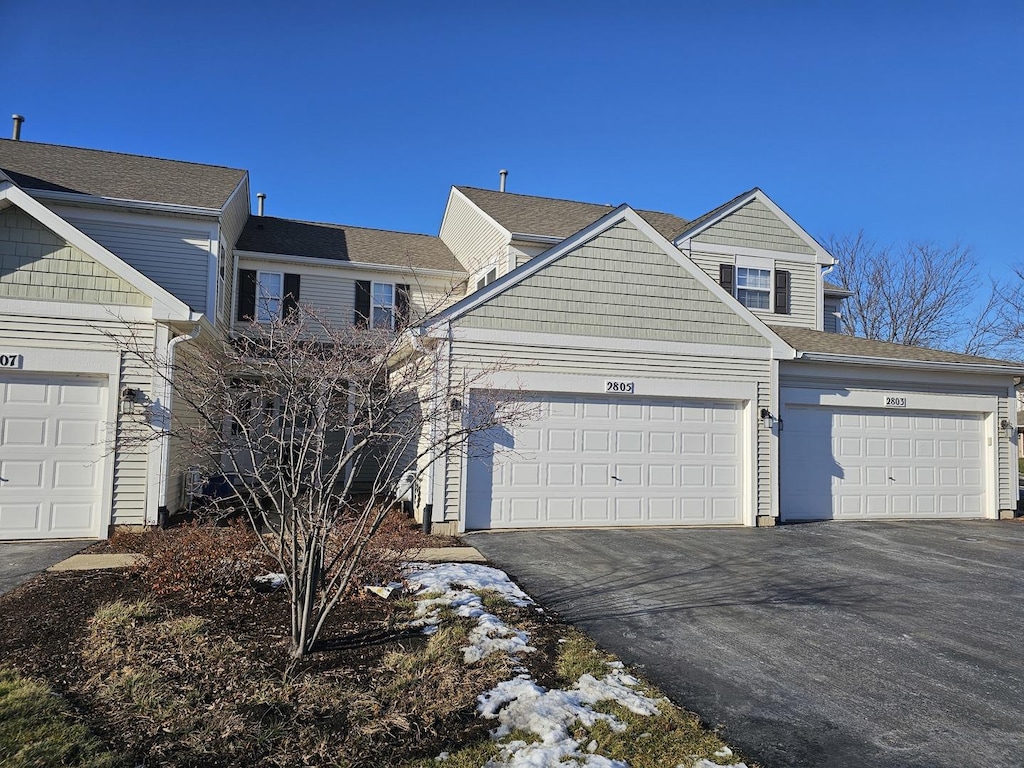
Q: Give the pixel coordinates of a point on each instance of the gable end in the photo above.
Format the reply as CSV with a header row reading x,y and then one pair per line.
x,y
754,225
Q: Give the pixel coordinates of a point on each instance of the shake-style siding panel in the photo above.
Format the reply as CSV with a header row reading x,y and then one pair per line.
x,y
619,285
129,493
36,263
475,240
754,226
177,259
541,358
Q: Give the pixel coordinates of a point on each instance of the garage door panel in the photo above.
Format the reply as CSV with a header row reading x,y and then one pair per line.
x,y
851,464
678,463
51,455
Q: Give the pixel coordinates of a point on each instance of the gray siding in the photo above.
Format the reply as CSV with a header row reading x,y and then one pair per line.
x,y
177,259
618,285
1006,456
831,321
477,242
35,263
754,226
803,288
130,460
233,219
477,356
331,291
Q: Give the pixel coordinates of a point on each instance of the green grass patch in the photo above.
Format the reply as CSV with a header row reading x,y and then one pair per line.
x,y
578,655
37,728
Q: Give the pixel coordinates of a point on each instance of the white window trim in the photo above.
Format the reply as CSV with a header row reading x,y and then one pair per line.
x,y
747,262
373,305
259,295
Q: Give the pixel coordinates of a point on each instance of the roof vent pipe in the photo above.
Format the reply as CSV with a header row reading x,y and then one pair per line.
x,y
16,133
504,175
261,198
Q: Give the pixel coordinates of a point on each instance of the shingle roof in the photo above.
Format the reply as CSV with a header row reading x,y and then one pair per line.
x,y
715,211
805,340
56,168
338,242
551,217
836,290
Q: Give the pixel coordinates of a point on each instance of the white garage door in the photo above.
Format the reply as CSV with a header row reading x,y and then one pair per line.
x,y
867,464
51,456
609,462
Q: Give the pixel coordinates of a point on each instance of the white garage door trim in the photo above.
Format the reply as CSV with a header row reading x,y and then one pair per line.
x,y
104,366
53,455
598,461
884,463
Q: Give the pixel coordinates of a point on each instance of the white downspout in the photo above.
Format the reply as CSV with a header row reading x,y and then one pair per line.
x,y
167,400
418,345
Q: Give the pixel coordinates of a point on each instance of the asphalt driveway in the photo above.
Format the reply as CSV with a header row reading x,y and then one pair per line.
x,y
824,644
21,560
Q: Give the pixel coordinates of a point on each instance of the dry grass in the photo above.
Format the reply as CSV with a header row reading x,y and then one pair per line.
x,y
37,729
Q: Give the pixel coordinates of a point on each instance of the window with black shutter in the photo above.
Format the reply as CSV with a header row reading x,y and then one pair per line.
x,y
782,292
727,277
401,305
246,294
291,295
362,313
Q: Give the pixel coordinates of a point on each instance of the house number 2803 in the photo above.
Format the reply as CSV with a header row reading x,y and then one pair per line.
x,y
9,361
622,387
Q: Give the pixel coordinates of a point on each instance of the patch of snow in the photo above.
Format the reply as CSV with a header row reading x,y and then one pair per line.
x,y
522,704
724,752
455,582
273,580
705,763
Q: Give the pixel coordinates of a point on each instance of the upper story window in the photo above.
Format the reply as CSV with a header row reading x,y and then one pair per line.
x,y
754,287
487,279
266,296
758,286
269,295
381,305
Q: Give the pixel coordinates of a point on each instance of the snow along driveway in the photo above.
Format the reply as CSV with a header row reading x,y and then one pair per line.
x,y
520,703
823,644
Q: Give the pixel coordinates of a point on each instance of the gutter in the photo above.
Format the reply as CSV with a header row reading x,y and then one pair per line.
x,y
334,263
925,365
167,400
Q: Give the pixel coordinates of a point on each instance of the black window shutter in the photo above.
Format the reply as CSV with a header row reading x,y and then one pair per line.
x,y
246,294
781,292
362,318
727,277
401,305
291,294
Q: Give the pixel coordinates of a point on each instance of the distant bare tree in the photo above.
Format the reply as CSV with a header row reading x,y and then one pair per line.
x,y
308,426
917,293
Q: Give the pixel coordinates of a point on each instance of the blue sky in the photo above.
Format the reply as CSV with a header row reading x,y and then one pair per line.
x,y
904,119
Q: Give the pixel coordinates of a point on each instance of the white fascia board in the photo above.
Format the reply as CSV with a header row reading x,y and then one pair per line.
x,y
359,266
569,341
822,256
74,311
485,214
143,205
166,306
923,365
623,213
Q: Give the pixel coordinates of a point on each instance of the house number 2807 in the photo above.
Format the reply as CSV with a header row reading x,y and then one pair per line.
x,y
9,361
622,387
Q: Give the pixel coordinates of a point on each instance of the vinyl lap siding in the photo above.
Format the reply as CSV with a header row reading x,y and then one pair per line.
x,y
176,259
754,226
803,296
35,263
619,285
477,242
236,213
483,356
129,493
1006,456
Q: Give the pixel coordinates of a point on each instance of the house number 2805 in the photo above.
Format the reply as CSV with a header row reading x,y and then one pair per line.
x,y
9,361
622,387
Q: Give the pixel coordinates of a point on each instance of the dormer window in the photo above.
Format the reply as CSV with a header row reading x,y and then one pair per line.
x,y
757,285
754,287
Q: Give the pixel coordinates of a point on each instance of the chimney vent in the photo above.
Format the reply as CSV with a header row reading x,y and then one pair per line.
x,y
16,133
504,175
261,198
